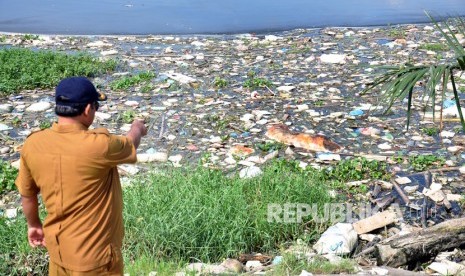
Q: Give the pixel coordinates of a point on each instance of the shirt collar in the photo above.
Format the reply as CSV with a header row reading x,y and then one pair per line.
x,y
68,127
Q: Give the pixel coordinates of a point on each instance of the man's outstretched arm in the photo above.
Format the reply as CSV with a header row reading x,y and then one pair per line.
x,y
35,234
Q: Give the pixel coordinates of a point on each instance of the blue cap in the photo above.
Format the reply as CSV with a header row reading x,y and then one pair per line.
x,y
77,90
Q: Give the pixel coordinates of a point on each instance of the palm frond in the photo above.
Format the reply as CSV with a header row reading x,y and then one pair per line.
x,y
399,82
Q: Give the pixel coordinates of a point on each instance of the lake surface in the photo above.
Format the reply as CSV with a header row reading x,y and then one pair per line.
x,y
210,16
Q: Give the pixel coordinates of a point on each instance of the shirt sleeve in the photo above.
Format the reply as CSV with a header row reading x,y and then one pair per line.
x,y
120,150
25,183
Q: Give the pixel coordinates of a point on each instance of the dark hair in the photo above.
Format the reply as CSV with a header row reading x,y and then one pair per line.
x,y
70,111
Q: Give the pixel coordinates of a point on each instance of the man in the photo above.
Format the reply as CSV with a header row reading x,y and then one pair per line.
x,y
74,169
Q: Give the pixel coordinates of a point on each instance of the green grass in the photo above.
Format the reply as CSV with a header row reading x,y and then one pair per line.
x,y
356,169
28,69
396,32
254,83
45,124
269,146
7,177
435,47
16,256
30,37
128,116
430,131
220,82
174,216
293,266
130,81
203,214
424,162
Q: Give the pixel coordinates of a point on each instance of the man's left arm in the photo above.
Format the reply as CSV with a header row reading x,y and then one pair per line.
x,y
35,233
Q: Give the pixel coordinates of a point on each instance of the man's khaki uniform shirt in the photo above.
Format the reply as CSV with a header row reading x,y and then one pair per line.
x,y
75,171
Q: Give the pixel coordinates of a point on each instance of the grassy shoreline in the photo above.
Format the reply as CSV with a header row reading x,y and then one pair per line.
x,y
174,216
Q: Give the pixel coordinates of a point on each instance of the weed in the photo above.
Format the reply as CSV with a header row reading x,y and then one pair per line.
x,y
219,122
436,47
356,169
423,162
16,121
7,177
254,83
396,33
430,131
127,82
28,69
30,37
270,146
128,116
147,88
45,124
197,213
2,38
319,103
220,83
291,265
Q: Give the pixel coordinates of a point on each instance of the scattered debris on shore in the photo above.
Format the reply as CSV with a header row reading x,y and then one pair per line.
x,y
216,98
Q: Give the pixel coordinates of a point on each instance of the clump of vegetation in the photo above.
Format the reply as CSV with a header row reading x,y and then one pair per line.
x,y
130,81
254,83
424,162
270,146
430,131
292,265
356,169
27,69
16,121
147,88
220,82
2,38
219,122
30,37
435,47
397,33
45,124
182,199
174,215
7,177
128,116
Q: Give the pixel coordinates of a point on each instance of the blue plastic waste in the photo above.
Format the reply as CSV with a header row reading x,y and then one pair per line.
x,y
448,103
356,112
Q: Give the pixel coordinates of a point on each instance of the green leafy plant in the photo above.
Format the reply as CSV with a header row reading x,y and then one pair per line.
x,y
16,121
2,38
254,83
27,69
45,124
436,47
396,32
423,162
147,88
30,37
127,82
128,116
270,146
356,169
430,131
220,82
7,177
398,82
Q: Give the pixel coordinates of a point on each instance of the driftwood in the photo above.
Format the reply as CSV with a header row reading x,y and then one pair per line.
x,y
422,244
